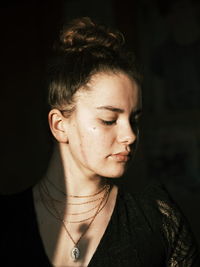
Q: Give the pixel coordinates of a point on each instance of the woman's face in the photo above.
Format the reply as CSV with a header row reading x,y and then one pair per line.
x,y
100,134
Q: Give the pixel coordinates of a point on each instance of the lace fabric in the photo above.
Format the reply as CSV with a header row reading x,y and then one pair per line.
x,y
181,247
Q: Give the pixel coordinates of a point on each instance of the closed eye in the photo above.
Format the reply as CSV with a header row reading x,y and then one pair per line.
x,y
108,122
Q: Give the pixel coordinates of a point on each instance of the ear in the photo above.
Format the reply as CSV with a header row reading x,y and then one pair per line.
x,y
57,124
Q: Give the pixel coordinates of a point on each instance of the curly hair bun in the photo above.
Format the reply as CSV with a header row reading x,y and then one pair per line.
x,y
83,33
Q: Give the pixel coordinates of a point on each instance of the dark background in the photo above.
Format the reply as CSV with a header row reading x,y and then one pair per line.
x,y
165,36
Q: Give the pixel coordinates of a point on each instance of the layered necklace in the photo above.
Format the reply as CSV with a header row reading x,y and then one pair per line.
x,y
88,210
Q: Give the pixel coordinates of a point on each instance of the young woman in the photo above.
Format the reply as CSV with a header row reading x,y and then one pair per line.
x,y
76,216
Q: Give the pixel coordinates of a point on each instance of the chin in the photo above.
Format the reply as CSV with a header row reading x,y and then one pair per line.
x,y
118,172
114,173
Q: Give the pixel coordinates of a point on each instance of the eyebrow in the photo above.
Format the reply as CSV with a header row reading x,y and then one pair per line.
x,y
119,110
111,108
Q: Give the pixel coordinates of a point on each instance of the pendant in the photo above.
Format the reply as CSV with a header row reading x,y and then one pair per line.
x,y
75,253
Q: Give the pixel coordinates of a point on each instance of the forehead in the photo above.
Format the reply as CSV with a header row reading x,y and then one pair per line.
x,y
113,89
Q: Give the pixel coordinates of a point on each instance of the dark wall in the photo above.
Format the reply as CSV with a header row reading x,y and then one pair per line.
x,y
27,32
168,35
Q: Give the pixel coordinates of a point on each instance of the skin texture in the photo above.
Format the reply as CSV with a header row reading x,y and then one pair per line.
x,y
98,129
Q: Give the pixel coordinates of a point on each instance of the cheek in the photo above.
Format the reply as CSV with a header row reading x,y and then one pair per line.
x,y
96,141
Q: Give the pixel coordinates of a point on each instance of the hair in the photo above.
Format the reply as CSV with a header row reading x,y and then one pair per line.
x,y
84,49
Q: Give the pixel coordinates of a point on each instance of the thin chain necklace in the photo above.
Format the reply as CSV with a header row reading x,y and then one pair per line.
x,y
105,198
75,252
74,196
44,188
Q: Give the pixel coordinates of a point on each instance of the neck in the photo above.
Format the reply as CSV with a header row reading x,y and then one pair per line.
x,y
69,179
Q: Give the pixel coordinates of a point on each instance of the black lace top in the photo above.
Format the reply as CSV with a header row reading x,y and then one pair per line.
x,y
145,230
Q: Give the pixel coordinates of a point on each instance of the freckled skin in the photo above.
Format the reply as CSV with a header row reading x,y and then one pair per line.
x,y
91,143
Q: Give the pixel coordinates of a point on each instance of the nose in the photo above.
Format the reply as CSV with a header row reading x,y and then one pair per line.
x,y
126,134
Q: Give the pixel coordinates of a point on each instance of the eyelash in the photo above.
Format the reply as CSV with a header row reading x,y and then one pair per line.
x,y
108,122
134,121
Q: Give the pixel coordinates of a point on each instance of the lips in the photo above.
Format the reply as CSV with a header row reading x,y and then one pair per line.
x,y
121,156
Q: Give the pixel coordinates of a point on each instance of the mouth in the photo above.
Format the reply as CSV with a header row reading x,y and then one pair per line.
x,y
121,157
